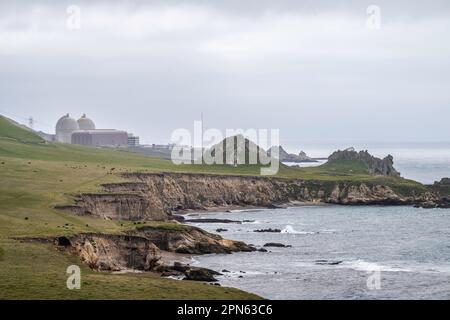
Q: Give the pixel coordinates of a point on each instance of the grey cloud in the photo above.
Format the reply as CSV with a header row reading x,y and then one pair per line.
x,y
308,67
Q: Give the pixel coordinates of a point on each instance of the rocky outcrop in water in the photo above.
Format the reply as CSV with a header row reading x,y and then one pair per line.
x,y
375,166
284,156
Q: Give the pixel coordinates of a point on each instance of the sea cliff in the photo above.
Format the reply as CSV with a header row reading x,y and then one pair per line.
x,y
156,196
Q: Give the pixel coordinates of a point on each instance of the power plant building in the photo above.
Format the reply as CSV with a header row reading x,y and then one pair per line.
x,y
64,129
102,137
84,132
133,141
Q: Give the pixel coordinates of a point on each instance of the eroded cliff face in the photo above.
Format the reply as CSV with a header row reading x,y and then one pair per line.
x,y
129,205
113,252
141,249
363,194
169,192
156,196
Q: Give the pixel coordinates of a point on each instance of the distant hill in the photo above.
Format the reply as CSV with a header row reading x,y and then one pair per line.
x,y
284,156
244,151
12,130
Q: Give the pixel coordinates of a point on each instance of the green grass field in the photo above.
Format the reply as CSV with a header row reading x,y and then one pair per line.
x,y
36,176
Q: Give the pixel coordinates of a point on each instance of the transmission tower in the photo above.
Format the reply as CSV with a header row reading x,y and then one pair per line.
x,y
30,122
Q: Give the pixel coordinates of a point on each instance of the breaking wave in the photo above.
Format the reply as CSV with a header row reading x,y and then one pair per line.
x,y
291,230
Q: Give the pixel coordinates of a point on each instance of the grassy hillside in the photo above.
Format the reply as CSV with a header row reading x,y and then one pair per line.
x,y
36,176
10,130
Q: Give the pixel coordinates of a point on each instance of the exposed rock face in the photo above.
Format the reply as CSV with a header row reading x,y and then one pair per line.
x,y
375,166
178,191
283,156
191,240
155,196
190,273
362,194
444,182
201,274
117,206
113,252
105,252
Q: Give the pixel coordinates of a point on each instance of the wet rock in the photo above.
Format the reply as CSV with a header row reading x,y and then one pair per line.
x,y
177,218
210,220
328,262
268,230
276,206
221,230
177,266
276,244
201,274
426,205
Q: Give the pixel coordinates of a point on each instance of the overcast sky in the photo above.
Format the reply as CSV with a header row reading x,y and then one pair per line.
x,y
313,69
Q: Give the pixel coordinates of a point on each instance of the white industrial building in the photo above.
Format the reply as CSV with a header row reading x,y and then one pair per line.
x,y
84,132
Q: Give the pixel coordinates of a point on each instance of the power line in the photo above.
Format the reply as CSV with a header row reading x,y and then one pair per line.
x,y
30,120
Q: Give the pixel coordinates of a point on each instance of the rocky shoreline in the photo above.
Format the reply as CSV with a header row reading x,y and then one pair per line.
x,y
157,196
164,196
158,250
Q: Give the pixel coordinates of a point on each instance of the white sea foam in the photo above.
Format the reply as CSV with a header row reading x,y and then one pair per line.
x,y
290,229
361,265
236,274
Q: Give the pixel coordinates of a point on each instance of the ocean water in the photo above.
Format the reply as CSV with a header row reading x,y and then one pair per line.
x,y
338,252
343,252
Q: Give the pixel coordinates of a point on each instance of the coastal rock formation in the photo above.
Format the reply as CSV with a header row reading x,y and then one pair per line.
x,y
276,244
375,166
363,194
268,230
190,240
190,273
142,248
178,191
155,196
112,252
117,206
443,182
284,156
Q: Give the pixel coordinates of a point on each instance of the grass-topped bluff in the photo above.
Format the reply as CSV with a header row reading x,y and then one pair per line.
x,y
36,176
